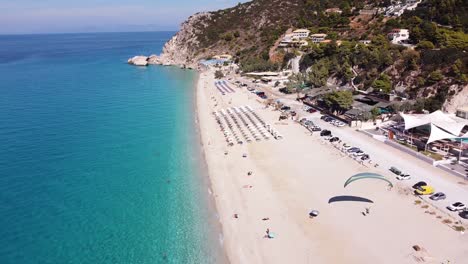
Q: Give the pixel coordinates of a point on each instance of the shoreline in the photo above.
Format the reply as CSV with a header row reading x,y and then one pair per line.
x,y
286,185
205,176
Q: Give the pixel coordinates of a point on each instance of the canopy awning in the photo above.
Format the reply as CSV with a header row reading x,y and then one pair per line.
x,y
438,134
443,126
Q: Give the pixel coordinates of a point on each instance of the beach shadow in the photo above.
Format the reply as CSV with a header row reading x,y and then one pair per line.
x,y
349,198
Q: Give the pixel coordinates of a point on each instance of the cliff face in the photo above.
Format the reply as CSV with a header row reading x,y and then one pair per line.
x,y
181,49
247,29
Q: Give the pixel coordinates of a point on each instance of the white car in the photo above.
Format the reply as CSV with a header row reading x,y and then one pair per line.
x,y
346,146
456,207
403,177
341,124
358,153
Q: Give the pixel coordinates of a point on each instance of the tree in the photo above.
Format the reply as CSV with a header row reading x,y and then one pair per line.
x,y
339,100
319,73
219,74
296,83
375,112
383,83
435,76
425,45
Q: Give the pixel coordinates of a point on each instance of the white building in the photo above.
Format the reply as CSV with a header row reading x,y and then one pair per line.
x,y
462,112
398,36
301,33
317,38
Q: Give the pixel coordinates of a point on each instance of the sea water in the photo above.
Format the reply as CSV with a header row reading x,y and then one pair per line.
x,y
99,160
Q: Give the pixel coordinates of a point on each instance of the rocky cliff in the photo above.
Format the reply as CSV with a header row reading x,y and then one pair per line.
x,y
248,29
182,48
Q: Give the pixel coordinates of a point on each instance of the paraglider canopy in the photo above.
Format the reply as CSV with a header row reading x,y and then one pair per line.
x,y
367,175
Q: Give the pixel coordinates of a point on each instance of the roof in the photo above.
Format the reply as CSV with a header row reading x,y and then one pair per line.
x,y
320,35
263,73
301,31
463,108
443,126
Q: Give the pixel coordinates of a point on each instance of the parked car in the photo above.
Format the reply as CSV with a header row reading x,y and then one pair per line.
x,y
328,119
324,117
346,146
316,128
325,133
285,108
424,190
285,90
396,171
419,184
458,206
334,139
311,110
358,153
438,196
353,149
262,95
365,157
341,124
403,177
464,214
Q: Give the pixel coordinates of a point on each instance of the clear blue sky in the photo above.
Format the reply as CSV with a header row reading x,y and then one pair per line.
x,y
54,16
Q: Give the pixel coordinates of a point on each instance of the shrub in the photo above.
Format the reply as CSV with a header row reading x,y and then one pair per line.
x,y
425,45
219,74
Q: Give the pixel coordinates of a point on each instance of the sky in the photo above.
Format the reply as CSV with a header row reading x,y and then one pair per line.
x,y
69,16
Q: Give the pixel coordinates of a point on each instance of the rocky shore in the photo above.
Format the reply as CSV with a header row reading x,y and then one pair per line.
x,y
181,50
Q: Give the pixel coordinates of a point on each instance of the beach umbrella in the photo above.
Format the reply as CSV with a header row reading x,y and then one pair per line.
x,y
367,175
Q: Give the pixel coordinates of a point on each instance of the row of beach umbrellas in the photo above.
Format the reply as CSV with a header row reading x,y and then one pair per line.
x,y
223,87
243,121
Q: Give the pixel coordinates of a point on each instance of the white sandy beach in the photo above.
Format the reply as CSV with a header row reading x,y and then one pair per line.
x,y
300,173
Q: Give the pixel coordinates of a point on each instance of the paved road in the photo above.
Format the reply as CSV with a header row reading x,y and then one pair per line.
x,y
456,189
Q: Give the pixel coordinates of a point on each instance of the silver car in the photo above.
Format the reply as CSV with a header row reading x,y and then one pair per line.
x,y
438,196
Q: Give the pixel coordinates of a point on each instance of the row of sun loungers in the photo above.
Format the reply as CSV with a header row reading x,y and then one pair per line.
x,y
223,87
242,124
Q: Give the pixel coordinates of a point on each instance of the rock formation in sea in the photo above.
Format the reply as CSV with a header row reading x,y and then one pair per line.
x,y
138,61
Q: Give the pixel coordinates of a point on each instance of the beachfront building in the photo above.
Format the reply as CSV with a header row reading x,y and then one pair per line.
x,y
369,11
398,36
462,112
334,10
225,57
318,38
437,132
290,40
301,34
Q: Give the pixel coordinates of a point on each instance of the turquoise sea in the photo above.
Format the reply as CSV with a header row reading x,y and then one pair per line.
x,y
99,160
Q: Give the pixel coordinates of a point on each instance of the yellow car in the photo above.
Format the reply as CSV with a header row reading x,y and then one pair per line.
x,y
424,190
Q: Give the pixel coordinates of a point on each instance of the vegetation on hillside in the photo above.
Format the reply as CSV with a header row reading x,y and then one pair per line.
x,y
438,33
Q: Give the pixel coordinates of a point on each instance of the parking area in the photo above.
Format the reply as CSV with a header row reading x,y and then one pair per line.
x,y
410,170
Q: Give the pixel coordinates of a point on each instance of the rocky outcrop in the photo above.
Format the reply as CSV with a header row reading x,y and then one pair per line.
x,y
459,99
182,49
138,61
